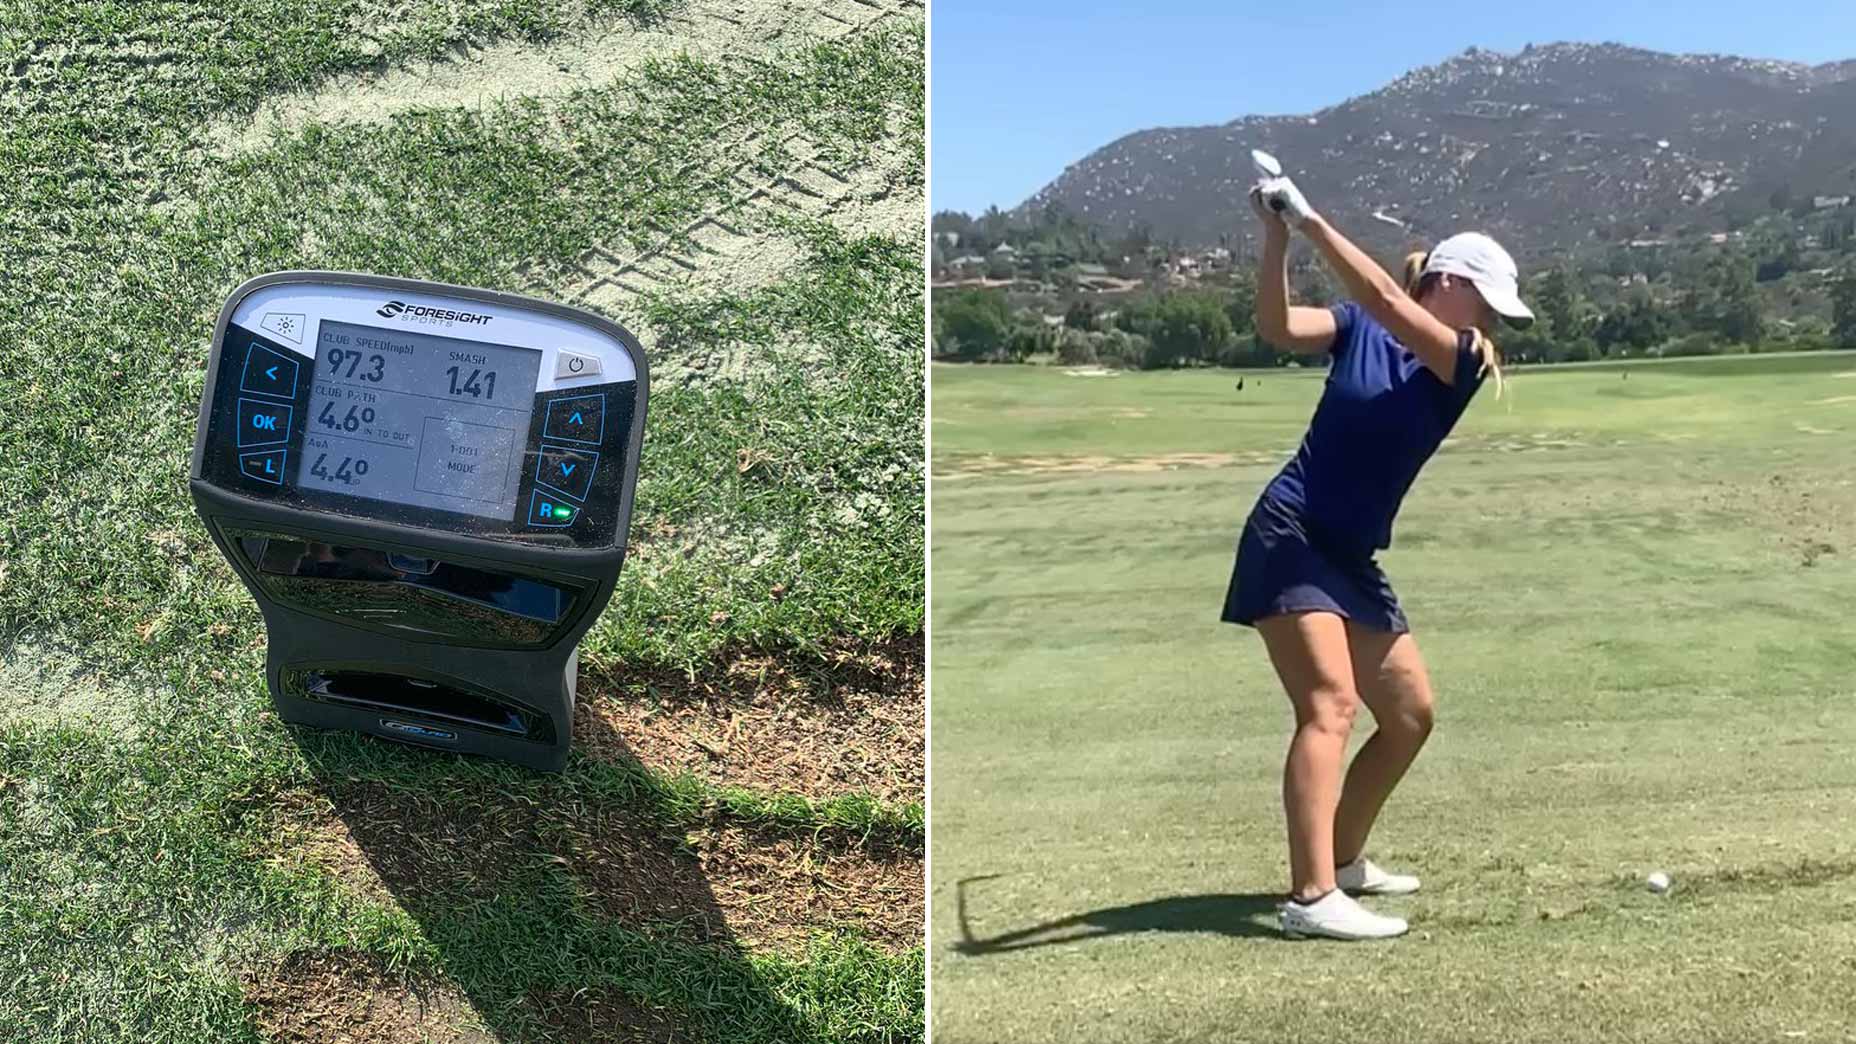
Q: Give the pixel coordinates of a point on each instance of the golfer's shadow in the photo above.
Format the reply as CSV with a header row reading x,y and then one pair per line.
x,y
1249,914
506,869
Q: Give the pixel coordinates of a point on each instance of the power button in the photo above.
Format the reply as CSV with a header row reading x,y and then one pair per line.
x,y
568,365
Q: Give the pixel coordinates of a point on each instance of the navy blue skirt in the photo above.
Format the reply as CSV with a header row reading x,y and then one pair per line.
x,y
1280,570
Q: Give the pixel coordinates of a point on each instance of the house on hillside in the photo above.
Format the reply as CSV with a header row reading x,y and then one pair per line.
x,y
967,266
1827,202
1005,250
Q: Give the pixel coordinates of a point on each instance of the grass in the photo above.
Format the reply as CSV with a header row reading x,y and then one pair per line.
x,y
1632,592
145,872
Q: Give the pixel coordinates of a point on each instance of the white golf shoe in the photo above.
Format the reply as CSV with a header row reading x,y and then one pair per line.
x,y
1336,916
1363,877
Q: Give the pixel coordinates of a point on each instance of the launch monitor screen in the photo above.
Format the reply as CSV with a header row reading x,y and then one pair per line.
x,y
417,419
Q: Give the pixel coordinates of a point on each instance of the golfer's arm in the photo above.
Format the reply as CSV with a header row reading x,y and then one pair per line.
x,y
1374,290
1304,331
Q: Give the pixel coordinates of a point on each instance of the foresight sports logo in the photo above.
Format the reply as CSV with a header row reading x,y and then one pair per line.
x,y
422,314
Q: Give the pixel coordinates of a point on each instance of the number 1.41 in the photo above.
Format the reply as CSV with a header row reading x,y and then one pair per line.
x,y
481,384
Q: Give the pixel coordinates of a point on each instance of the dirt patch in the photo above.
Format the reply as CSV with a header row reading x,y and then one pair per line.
x,y
1809,520
726,886
344,997
851,720
1532,443
776,890
604,1016
974,467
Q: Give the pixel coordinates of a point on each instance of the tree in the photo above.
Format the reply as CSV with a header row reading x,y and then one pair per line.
x,y
1242,306
972,324
1559,305
1081,315
1184,329
1635,325
1843,310
1738,315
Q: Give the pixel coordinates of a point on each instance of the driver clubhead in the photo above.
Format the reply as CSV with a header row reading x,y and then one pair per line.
x,y
1267,167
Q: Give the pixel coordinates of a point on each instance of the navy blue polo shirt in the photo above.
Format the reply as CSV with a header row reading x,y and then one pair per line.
x,y
1381,416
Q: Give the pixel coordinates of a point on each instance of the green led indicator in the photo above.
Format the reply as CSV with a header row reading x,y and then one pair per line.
x,y
563,511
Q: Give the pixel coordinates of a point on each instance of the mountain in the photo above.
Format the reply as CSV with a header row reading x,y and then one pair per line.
x,y
1556,148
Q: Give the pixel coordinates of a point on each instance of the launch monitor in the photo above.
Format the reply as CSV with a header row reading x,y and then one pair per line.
x,y
427,490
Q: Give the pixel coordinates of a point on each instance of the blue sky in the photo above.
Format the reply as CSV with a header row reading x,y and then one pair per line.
x,y
1023,88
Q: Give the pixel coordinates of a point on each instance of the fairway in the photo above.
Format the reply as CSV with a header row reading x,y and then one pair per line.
x,y
735,849
1634,594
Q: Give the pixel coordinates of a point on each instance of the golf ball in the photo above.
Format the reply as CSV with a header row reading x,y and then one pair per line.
x,y
1659,882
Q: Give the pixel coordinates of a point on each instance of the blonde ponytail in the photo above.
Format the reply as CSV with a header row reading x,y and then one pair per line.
x,y
1491,360
1483,346
1414,271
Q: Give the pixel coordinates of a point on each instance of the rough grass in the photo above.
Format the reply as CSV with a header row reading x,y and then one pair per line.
x,y
1633,596
147,891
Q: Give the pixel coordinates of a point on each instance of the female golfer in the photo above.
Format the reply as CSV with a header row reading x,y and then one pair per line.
x,y
1405,362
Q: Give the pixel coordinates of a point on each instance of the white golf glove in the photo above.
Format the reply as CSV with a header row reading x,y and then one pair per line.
x,y
1281,196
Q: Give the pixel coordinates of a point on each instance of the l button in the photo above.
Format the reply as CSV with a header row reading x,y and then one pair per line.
x,y
264,466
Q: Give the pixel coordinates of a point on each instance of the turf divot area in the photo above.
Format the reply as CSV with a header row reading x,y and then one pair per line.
x,y
175,864
836,723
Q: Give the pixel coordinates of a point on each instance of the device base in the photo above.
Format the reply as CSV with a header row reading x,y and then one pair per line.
x,y
516,707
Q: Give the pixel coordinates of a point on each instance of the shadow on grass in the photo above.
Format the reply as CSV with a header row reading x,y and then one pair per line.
x,y
1248,915
560,913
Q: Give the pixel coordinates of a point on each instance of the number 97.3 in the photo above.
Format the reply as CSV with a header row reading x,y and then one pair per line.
x,y
350,365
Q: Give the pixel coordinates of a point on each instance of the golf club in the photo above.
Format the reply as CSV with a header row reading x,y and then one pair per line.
x,y
1266,166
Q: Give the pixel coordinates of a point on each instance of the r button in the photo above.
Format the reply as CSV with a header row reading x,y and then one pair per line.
x,y
578,419
550,511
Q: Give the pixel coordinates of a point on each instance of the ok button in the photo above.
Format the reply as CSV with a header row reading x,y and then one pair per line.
x,y
262,423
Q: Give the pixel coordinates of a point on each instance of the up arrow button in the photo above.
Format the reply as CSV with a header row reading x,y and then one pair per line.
x,y
580,418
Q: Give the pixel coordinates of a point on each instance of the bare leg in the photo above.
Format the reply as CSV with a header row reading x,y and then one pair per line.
x,y
1309,651
1396,687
